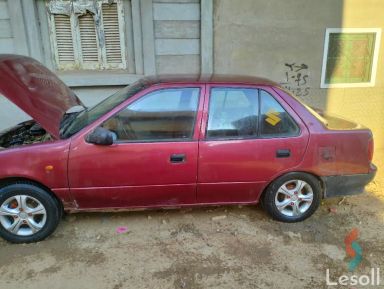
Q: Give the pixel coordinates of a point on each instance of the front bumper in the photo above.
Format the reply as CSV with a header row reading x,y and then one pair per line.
x,y
343,185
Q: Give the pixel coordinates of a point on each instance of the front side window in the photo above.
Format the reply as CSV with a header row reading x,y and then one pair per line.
x,y
162,115
275,121
233,113
89,115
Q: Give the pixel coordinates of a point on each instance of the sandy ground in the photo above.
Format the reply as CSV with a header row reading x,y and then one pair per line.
x,y
189,249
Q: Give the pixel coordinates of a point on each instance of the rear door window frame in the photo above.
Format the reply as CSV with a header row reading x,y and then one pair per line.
x,y
253,137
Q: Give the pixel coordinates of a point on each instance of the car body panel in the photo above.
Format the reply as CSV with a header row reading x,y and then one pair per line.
x,y
131,174
330,151
143,171
241,168
36,90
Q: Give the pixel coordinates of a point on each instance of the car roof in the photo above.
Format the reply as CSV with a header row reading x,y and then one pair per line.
x,y
215,78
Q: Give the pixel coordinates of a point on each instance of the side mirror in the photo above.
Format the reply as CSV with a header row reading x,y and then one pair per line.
x,y
100,136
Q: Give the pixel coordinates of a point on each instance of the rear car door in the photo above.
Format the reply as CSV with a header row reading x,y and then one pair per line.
x,y
249,137
153,161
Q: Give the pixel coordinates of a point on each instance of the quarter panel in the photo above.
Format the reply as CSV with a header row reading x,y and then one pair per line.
x,y
331,152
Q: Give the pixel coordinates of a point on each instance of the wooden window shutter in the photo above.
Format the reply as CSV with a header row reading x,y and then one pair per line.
x,y
90,55
114,38
64,40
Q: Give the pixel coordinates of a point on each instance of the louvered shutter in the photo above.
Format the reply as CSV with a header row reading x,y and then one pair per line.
x,y
64,41
90,52
114,38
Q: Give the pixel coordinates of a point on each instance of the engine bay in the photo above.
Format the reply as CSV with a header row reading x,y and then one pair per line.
x,y
25,133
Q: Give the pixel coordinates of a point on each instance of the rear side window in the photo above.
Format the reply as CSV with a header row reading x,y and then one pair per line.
x,y
274,120
233,113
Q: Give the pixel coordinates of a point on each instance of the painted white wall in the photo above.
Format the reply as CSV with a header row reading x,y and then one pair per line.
x,y
90,96
6,36
11,115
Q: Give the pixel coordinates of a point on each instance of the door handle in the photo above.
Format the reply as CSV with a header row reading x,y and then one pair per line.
x,y
285,153
177,158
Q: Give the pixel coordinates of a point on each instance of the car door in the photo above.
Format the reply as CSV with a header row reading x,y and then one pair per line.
x,y
153,160
249,137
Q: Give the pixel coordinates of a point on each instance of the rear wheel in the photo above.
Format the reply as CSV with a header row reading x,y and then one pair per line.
x,y
292,197
28,213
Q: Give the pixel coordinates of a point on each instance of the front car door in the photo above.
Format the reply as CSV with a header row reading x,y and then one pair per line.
x,y
153,161
249,137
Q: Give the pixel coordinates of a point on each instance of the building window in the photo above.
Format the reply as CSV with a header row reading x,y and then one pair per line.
x,y
350,57
87,35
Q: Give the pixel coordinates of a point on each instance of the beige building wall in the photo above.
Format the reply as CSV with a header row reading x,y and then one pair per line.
x,y
259,37
364,105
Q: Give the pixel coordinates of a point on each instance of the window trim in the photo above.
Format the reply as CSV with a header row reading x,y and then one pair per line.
x,y
375,57
289,115
258,135
190,139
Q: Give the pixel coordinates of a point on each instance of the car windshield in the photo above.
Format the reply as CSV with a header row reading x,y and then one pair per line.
x,y
88,116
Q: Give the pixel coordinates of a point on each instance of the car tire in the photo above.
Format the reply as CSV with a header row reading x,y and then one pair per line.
x,y
28,213
292,197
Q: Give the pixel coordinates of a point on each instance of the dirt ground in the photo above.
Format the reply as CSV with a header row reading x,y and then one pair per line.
x,y
239,248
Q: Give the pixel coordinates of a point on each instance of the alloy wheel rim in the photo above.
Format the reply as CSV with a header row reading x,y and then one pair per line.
x,y
22,215
294,198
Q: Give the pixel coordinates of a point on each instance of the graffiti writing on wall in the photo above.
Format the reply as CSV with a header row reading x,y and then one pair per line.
x,y
296,79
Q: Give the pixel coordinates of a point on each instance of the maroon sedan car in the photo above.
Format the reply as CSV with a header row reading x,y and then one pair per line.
x,y
169,142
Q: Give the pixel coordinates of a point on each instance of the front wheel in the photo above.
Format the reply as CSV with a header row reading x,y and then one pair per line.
x,y
28,213
292,197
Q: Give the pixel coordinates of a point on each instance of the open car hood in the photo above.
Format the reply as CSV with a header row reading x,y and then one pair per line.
x,y
36,90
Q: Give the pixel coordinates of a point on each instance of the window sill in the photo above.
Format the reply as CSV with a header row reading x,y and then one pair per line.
x,y
97,78
347,85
